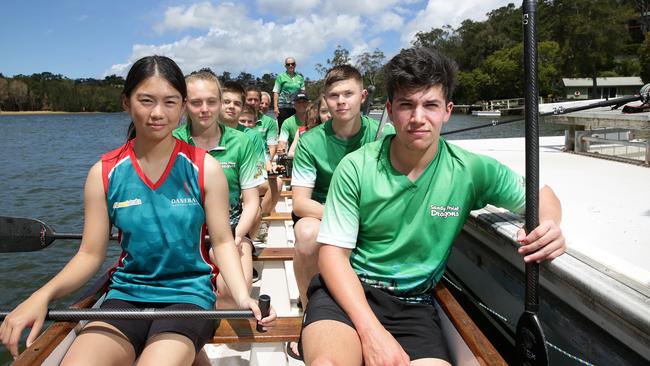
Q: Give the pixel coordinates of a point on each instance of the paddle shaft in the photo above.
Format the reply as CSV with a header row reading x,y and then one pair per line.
x,y
144,314
530,340
556,111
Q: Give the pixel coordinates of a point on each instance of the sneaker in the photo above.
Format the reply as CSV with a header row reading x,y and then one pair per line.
x,y
256,276
263,232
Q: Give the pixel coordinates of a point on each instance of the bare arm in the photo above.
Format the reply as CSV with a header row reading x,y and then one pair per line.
x,y
303,205
272,150
292,149
546,242
80,269
250,205
379,346
276,110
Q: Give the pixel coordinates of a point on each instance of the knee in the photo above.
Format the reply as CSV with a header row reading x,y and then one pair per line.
x,y
305,244
322,361
306,231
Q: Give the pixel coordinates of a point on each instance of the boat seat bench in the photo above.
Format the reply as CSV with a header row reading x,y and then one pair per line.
x,y
287,329
274,254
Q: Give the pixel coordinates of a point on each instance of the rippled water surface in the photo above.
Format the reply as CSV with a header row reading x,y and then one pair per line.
x,y
44,160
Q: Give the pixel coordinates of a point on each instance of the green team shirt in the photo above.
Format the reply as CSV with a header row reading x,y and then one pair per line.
x,y
289,128
259,152
401,232
235,152
287,87
319,151
268,128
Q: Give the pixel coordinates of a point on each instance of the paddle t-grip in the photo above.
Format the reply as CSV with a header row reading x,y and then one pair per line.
x,y
264,302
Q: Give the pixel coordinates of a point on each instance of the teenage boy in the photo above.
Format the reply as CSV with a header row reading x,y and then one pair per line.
x,y
293,123
233,97
393,210
318,153
264,124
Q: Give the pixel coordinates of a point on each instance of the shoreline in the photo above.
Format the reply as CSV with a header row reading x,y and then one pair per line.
x,y
26,113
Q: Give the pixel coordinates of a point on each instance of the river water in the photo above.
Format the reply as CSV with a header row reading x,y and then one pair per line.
x,y
44,160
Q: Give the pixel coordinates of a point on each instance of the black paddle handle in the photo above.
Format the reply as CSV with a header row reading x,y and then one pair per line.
x,y
264,303
140,314
532,145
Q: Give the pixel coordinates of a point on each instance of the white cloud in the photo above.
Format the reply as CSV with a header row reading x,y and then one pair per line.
x,y
201,16
441,12
232,40
287,7
388,21
235,42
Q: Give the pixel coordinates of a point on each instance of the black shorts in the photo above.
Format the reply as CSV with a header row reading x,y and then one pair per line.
x,y
295,218
284,114
199,331
416,327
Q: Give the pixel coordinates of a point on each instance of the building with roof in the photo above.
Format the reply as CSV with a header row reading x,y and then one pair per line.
x,y
608,87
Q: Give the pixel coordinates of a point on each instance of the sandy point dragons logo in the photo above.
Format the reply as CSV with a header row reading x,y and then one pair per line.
x,y
444,211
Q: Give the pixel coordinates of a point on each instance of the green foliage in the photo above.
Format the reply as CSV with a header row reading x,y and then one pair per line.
x,y
341,57
644,59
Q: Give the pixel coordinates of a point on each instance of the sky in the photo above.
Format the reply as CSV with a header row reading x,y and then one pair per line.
x,y
93,39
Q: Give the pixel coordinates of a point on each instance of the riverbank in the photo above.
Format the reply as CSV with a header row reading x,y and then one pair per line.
x,y
22,113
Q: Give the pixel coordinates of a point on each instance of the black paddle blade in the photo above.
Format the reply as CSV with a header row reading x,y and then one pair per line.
x,y
19,234
531,343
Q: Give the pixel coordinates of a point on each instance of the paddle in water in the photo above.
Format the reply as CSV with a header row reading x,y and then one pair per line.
x,y
531,343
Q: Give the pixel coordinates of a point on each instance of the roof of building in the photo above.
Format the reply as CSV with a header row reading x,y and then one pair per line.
x,y
611,81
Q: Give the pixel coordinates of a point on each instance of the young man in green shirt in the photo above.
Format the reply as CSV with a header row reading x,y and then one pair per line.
x,y
393,210
293,123
268,128
287,85
318,153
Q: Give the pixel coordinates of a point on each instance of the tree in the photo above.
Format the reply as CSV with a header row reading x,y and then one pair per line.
x,y
370,65
341,57
18,94
591,34
644,59
4,91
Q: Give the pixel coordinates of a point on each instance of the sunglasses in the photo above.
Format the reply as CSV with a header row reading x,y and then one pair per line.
x,y
290,64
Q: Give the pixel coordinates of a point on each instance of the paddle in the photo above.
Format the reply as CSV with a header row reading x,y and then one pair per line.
x,y
152,314
643,96
530,340
18,234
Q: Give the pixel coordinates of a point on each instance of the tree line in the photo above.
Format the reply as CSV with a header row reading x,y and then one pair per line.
x,y
577,38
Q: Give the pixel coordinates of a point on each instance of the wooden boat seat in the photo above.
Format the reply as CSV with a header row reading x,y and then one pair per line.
x,y
286,194
274,254
287,329
277,216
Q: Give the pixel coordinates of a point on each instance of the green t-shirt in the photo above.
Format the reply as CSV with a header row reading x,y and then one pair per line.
x,y
401,232
268,128
258,145
287,87
319,151
289,128
235,153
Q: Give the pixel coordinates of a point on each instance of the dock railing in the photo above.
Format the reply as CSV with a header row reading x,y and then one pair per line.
x,y
615,142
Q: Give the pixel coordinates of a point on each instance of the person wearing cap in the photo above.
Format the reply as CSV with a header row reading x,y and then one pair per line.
x,y
287,85
293,123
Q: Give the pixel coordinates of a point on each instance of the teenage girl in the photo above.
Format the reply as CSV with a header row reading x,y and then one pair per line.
x,y
160,193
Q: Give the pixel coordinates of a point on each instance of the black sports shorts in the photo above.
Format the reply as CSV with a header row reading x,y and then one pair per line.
x,y
416,327
199,331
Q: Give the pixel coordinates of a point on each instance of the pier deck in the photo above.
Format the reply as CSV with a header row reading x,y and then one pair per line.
x,y
606,204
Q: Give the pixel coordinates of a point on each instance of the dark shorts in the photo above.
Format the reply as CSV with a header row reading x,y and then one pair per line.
x,y
199,331
416,327
284,114
295,218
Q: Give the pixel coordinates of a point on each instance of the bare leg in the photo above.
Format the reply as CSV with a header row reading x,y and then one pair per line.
x,y
430,362
167,349
328,342
100,344
224,297
305,259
